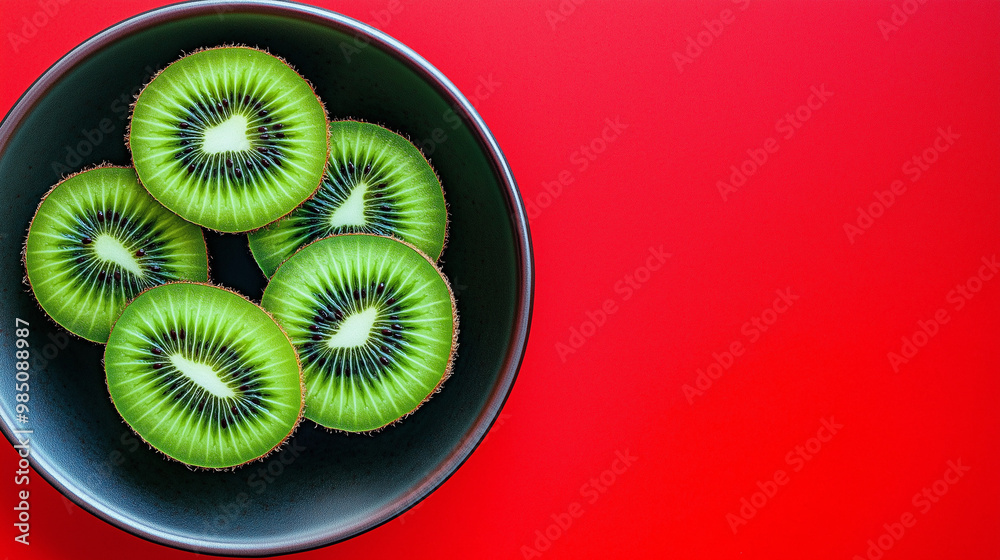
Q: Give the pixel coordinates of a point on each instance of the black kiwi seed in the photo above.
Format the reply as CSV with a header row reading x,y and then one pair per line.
x,y
157,351
229,163
279,135
157,365
86,240
140,253
368,168
118,275
81,260
101,276
184,124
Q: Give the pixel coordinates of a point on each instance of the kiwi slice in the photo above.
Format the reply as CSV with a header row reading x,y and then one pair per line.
x,y
230,138
373,320
376,182
203,375
97,240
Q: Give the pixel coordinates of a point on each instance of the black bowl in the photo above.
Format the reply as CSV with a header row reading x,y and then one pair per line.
x,y
323,487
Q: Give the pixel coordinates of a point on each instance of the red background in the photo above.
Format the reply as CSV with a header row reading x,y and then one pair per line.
x,y
554,82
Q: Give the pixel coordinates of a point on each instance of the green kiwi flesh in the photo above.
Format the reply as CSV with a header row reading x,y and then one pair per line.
x,y
97,240
230,138
373,320
376,182
203,375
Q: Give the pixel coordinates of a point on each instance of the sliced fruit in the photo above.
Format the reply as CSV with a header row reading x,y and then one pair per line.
x,y
376,182
203,375
230,138
374,323
97,240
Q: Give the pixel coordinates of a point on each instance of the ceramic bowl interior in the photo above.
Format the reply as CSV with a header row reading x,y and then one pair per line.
x,y
323,487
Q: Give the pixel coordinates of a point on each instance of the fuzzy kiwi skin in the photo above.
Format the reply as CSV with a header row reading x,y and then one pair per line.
x,y
101,339
270,243
173,205
276,447
452,354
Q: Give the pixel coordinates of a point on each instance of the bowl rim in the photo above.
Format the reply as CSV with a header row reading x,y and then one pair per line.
x,y
28,101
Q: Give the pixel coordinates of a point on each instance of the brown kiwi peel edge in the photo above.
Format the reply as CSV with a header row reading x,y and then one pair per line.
x,y
326,116
298,362
24,246
453,353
